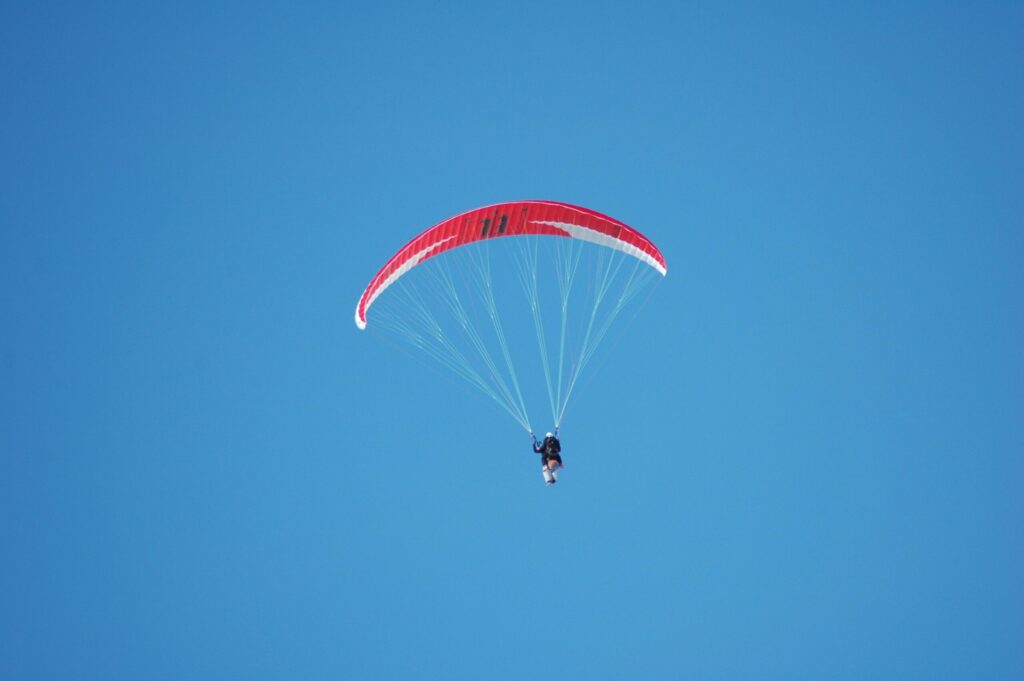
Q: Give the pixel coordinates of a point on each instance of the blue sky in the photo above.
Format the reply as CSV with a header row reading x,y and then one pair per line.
x,y
803,460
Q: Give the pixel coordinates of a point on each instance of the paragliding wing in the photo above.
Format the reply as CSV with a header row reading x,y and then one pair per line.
x,y
517,218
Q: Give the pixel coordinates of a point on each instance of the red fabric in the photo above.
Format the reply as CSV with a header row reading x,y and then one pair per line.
x,y
504,219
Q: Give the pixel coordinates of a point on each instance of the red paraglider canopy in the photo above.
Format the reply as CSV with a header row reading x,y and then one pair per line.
x,y
511,219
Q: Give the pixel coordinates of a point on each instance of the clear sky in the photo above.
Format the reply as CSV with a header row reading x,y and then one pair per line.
x,y
803,460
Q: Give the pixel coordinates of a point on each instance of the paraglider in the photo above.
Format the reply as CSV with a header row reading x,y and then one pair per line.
x,y
450,296
550,451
